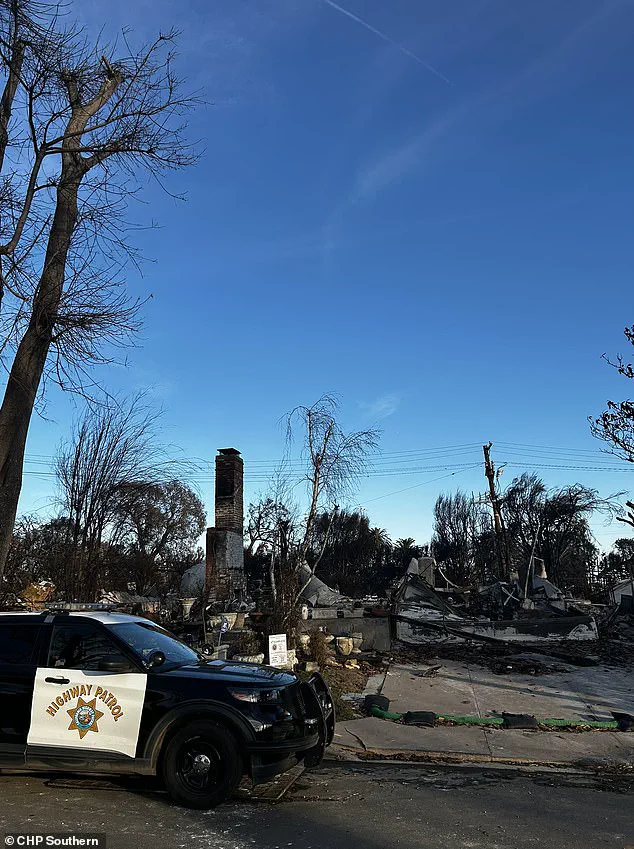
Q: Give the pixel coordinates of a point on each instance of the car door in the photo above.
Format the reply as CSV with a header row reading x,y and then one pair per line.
x,y
79,703
18,639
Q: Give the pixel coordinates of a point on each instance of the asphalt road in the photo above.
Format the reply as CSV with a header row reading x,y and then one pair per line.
x,y
353,806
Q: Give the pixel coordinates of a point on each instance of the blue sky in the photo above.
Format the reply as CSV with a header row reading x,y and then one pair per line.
x,y
424,206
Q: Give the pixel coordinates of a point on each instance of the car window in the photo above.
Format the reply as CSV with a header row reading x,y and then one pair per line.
x,y
17,641
144,639
80,646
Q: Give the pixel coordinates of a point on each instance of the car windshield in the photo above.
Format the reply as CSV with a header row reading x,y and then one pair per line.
x,y
144,639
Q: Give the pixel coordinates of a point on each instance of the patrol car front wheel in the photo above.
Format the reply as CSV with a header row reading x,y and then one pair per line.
x,y
202,765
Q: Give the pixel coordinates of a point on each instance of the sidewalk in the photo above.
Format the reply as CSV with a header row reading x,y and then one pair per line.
x,y
467,689
379,738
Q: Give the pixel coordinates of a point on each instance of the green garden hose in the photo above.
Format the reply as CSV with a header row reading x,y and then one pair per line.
x,y
499,721
384,714
471,720
579,723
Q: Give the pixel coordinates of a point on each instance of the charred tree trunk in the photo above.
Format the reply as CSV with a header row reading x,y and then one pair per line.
x,y
68,88
30,359
28,366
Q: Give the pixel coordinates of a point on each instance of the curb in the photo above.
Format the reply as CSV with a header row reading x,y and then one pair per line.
x,y
403,757
466,766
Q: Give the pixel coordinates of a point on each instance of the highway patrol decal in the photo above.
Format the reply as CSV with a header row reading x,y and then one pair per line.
x,y
98,710
106,697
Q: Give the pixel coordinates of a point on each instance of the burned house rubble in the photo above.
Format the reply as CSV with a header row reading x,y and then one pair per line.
x,y
318,594
215,608
527,609
532,610
327,610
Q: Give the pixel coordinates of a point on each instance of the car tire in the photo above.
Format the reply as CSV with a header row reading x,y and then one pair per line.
x,y
313,757
202,765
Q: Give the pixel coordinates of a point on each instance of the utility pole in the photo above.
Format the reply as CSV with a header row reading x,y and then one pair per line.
x,y
489,471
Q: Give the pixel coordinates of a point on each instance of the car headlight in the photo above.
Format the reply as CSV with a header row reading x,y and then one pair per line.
x,y
260,697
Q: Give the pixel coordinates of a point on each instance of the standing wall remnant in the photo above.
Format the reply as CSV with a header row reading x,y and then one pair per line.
x,y
225,580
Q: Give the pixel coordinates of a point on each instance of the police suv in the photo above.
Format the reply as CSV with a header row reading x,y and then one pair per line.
x,y
95,691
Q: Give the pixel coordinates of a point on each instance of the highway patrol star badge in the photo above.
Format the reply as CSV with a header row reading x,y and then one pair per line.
x,y
84,717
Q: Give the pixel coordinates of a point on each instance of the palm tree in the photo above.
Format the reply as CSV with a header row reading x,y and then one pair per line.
x,y
405,549
381,538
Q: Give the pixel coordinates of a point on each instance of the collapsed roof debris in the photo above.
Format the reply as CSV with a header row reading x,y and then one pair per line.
x,y
319,594
421,615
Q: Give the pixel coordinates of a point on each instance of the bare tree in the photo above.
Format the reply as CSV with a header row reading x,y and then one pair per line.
x,y
114,447
333,463
289,536
80,126
23,563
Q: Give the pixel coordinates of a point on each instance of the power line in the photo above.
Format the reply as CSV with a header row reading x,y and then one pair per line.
x,y
520,449
560,455
393,472
397,463
552,448
571,468
416,485
390,456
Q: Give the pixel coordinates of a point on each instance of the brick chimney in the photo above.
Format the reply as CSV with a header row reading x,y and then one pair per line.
x,y
229,497
224,574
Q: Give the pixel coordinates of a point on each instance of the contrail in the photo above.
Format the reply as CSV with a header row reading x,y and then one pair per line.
x,y
389,40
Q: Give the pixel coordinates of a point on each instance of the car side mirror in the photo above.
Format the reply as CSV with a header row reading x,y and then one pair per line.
x,y
114,663
157,658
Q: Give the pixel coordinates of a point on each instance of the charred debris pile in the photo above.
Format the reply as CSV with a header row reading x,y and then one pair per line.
x,y
527,626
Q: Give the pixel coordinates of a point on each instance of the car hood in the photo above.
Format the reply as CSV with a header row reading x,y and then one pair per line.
x,y
253,674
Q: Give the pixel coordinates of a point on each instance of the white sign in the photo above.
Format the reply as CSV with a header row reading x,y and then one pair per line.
x,y
278,653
